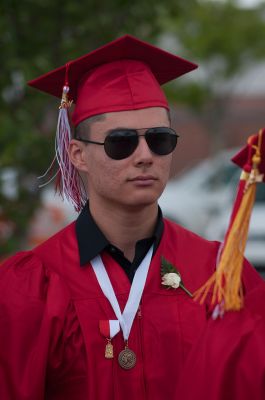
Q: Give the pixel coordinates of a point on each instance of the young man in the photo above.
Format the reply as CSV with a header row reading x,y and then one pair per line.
x,y
87,314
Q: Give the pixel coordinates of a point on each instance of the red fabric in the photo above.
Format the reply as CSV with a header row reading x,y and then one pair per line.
x,y
124,74
104,328
236,205
228,362
50,308
117,86
244,157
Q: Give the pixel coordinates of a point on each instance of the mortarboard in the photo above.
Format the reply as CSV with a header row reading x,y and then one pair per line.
x,y
226,283
253,155
124,74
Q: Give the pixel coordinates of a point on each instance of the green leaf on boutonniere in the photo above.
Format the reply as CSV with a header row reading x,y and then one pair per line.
x,y
168,268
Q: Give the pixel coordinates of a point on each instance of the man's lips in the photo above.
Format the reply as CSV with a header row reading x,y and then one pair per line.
x,y
143,178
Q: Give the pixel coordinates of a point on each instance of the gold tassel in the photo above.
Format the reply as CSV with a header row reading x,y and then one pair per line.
x,y
226,281
228,286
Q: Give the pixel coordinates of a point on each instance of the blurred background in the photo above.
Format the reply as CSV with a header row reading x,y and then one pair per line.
x,y
214,109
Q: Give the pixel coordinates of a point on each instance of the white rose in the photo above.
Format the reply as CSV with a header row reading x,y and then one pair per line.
x,y
172,279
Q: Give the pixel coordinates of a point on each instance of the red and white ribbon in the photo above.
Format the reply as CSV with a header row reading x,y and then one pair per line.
x,y
109,327
126,318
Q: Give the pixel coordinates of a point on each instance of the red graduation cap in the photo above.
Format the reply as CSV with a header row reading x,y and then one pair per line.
x,y
226,281
125,74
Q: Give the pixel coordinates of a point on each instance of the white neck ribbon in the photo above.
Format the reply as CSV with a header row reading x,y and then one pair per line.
x,y
126,318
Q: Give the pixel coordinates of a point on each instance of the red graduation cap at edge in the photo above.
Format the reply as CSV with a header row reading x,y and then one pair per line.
x,y
225,284
125,74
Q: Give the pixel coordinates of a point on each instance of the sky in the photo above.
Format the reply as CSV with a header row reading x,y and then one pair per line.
x,y
246,3
250,3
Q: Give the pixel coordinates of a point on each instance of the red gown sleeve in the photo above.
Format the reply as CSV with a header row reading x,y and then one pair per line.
x,y
228,361
40,338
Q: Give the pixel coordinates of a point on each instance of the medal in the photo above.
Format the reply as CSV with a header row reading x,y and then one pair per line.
x,y
127,358
108,329
109,349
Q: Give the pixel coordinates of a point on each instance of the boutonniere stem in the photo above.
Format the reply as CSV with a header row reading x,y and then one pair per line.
x,y
171,277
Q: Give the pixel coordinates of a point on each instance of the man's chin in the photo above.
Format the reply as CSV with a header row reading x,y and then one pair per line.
x,y
142,201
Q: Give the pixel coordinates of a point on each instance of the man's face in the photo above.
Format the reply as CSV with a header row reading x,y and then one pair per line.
x,y
135,181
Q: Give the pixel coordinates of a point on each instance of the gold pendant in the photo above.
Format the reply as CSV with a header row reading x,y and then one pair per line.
x,y
127,358
109,349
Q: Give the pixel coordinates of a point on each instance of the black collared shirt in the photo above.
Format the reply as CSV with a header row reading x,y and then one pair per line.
x,y
91,242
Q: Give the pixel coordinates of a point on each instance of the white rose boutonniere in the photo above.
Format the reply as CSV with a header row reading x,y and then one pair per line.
x,y
171,277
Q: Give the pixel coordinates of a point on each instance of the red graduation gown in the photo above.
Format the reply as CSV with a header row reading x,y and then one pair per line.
x,y
50,344
228,362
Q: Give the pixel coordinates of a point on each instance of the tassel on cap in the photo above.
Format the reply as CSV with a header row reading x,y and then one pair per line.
x,y
225,284
68,181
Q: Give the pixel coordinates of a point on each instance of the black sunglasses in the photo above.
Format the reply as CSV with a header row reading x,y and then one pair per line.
x,y
121,143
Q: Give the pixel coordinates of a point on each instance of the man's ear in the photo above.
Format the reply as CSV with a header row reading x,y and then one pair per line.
x,y
77,154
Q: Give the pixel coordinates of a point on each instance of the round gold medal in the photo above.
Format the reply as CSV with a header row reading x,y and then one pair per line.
x,y
127,358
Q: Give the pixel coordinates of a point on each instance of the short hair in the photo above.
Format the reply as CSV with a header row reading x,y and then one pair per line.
x,y
83,129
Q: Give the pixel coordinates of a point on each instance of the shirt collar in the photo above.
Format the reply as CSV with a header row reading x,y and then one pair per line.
x,y
91,241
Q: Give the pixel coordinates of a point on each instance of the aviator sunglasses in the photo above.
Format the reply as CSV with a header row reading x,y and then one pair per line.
x,y
121,143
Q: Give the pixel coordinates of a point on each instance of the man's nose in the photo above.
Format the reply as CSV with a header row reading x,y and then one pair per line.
x,y
143,154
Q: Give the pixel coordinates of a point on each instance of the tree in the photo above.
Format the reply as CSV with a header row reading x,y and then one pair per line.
x,y
225,40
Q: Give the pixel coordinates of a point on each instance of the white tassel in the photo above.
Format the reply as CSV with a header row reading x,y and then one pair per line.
x,y
69,182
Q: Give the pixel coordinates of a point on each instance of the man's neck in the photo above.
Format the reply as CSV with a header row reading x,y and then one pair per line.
x,y
123,227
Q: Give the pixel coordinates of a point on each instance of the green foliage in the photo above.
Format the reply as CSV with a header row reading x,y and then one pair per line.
x,y
219,35
167,267
39,35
